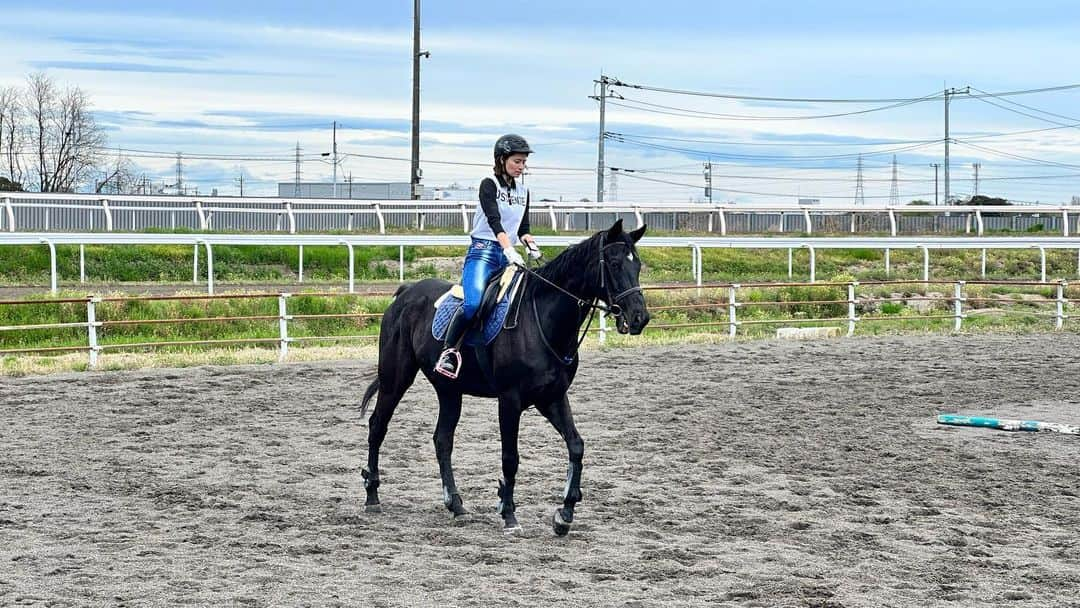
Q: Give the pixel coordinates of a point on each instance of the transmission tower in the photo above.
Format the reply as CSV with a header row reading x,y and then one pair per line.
x,y
976,167
613,186
894,193
297,191
860,198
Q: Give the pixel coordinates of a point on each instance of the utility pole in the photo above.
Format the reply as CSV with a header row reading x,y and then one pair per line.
x,y
600,149
334,186
708,180
976,167
860,196
603,82
935,166
296,192
241,178
414,179
179,174
894,191
948,94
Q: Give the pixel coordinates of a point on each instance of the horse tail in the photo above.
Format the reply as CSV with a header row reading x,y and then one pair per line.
x,y
368,394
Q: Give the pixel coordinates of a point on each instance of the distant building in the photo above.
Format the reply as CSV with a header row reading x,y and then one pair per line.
x,y
455,192
809,201
382,191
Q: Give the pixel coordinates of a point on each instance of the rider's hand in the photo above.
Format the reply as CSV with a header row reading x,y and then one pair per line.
x,y
530,247
513,256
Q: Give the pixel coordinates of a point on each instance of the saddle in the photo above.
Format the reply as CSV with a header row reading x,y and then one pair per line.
x,y
499,296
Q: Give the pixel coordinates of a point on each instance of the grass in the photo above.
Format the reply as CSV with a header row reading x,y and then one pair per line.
x,y
108,266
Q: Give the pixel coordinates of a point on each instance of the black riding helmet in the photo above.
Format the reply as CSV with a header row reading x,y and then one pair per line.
x,y
511,144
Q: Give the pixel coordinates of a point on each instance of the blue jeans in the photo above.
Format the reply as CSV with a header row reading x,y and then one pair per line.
x,y
484,259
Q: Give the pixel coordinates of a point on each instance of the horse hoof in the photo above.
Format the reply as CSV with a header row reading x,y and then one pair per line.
x,y
561,527
460,519
375,508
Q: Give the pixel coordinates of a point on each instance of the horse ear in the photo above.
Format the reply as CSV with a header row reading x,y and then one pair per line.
x,y
637,234
616,230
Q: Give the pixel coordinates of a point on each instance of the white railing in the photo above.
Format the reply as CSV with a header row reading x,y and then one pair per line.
x,y
287,211
957,309
696,245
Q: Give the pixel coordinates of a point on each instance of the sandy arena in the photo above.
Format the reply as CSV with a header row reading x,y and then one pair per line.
x,y
745,474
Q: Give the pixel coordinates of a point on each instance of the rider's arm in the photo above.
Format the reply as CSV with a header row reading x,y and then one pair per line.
x,y
490,206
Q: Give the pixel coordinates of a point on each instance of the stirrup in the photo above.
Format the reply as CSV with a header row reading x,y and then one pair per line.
x,y
449,357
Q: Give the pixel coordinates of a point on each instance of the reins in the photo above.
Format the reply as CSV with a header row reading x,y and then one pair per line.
x,y
610,307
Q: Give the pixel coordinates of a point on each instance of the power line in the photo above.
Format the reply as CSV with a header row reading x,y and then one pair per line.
x,y
632,141
632,173
780,143
676,111
616,82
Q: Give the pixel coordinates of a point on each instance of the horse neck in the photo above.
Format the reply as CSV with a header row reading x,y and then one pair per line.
x,y
561,314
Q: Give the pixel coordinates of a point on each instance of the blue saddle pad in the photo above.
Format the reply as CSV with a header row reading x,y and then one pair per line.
x,y
475,336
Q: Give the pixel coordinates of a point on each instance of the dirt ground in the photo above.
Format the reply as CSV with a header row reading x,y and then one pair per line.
x,y
744,474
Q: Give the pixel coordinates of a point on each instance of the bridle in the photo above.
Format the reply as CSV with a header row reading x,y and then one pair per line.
x,y
609,306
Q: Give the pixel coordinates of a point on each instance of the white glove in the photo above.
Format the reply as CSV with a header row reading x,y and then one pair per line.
x,y
513,256
532,250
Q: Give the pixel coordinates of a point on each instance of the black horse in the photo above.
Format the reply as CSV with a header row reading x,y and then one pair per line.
x,y
532,364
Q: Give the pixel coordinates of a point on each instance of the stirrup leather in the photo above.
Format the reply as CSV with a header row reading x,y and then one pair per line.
x,y
449,363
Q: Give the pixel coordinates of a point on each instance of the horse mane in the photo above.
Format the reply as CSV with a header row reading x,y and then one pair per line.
x,y
572,262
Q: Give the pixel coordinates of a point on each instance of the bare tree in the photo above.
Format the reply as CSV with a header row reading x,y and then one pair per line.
x,y
66,141
11,133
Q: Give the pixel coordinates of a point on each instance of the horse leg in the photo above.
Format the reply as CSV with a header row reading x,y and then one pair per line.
x,y
509,420
391,389
558,413
449,414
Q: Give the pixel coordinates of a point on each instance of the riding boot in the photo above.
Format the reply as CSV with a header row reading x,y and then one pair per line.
x,y
449,363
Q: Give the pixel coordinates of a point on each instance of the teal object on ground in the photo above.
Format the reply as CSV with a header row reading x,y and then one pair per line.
x,y
1006,424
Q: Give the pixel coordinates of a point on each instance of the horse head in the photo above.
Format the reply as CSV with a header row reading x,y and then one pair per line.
x,y
620,268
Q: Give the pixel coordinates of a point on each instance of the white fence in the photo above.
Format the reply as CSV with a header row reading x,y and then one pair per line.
x,y
49,212
695,244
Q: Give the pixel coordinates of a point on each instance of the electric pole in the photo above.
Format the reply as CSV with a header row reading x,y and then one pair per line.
x,y
894,191
179,174
241,179
297,191
334,186
602,97
949,93
414,179
935,166
860,196
976,167
709,180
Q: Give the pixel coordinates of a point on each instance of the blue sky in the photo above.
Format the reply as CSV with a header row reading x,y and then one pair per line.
x,y
244,82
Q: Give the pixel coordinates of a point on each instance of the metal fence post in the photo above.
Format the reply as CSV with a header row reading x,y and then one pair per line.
x,y
1060,320
1042,263
851,307
283,326
925,262
201,214
301,267
108,214
10,214
352,265
603,327
52,263
958,305
887,261
401,263
984,263
195,265
732,304
813,263
91,329
382,220
723,222
82,263
209,266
